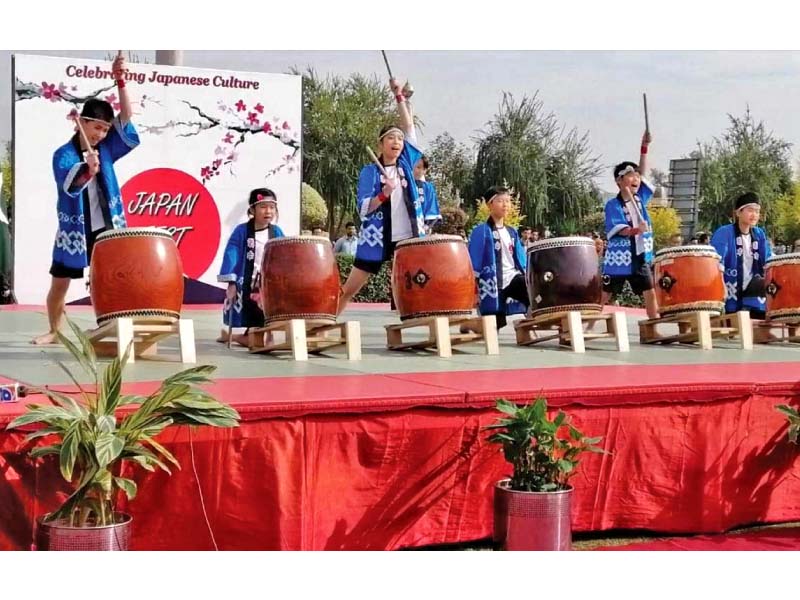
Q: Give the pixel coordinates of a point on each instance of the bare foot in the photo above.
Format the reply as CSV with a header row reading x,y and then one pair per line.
x,y
468,329
46,339
223,336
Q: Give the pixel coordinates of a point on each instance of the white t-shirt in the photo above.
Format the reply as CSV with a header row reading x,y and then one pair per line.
x,y
747,260
507,255
98,220
401,224
261,239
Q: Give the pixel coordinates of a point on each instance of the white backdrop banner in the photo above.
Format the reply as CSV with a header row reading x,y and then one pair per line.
x,y
207,138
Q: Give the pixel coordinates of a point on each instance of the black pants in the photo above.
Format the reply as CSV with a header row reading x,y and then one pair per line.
x,y
516,290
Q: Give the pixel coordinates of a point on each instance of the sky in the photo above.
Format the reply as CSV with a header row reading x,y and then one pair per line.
x,y
690,93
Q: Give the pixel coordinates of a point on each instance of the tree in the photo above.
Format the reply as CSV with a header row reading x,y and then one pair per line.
x,y
666,223
551,168
7,189
658,177
513,219
313,211
453,219
746,158
594,221
786,217
452,166
341,118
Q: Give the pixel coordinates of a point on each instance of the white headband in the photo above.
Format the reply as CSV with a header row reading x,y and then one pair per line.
x,y
392,130
748,206
625,171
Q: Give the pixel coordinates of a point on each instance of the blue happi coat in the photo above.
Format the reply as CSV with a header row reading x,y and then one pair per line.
x,y
372,237
727,240
618,258
70,244
238,263
430,203
487,264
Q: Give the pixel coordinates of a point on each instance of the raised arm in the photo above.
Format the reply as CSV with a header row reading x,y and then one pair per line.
x,y
406,118
118,69
646,139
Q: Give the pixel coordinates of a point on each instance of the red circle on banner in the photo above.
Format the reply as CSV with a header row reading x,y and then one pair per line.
x,y
177,201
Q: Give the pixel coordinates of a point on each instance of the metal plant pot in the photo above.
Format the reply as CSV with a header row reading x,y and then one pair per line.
x,y
60,536
532,520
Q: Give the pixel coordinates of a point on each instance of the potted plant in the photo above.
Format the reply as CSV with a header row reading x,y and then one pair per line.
x,y
532,507
793,415
98,430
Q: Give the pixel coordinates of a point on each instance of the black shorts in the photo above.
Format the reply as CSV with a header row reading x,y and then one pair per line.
x,y
373,266
58,269
641,278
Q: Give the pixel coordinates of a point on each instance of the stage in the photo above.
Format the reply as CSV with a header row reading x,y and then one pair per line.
x,y
388,452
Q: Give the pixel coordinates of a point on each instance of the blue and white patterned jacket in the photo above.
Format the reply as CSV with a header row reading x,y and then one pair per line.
x,y
69,248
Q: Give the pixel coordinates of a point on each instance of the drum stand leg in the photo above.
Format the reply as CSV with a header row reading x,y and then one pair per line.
x,y
304,336
700,328
763,332
570,331
440,338
143,334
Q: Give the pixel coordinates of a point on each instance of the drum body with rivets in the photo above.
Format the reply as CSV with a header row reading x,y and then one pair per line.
x,y
689,279
136,272
433,276
782,280
300,279
563,274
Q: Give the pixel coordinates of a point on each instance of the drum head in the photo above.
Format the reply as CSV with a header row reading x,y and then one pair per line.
x,y
689,250
298,239
561,242
783,259
436,238
125,232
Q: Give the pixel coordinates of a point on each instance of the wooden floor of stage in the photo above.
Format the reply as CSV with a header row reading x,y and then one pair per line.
x,y
21,361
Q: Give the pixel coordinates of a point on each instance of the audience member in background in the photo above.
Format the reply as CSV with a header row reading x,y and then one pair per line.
x,y
524,235
348,243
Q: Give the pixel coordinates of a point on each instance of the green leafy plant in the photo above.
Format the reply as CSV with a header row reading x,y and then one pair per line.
x,y
543,452
94,438
377,289
794,421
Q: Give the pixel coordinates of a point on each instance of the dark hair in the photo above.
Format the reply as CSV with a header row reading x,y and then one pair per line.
x,y
703,238
622,166
495,190
425,162
349,224
522,228
747,198
98,109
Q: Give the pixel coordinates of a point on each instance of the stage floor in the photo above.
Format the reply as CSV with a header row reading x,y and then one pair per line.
x,y
390,451
19,360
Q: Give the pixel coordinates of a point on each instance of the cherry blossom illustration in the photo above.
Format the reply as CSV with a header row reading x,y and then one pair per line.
x,y
236,123
60,92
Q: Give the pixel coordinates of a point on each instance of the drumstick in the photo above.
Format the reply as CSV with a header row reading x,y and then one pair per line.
x,y
386,60
377,162
646,118
77,120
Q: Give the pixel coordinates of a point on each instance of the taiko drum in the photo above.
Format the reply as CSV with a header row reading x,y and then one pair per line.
x,y
136,272
782,280
300,279
563,274
689,279
432,276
